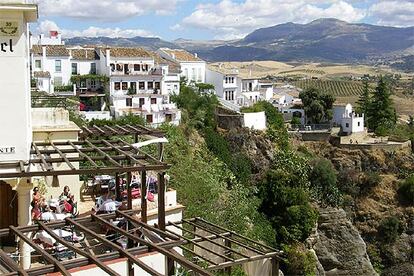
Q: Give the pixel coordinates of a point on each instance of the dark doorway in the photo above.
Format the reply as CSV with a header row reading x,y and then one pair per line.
x,y
8,211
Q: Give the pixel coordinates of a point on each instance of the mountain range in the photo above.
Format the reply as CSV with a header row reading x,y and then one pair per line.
x,y
326,40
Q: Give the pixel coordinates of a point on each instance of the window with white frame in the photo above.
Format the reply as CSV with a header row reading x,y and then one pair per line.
x,y
38,64
74,68
57,81
58,66
93,68
229,95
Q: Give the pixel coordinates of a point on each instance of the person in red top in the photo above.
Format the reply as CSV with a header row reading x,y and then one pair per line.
x,y
38,202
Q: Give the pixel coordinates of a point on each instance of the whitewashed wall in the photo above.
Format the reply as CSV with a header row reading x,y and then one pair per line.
x,y
256,120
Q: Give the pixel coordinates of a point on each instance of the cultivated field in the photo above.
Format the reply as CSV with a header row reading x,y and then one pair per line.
x,y
335,88
257,69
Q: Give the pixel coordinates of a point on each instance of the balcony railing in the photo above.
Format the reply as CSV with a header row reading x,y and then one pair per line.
x,y
49,101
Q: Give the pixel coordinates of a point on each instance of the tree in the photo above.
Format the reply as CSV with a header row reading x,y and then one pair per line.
x,y
285,198
200,107
406,191
317,105
364,100
324,182
381,115
390,229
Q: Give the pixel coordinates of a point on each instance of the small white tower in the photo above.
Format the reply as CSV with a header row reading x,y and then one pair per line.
x,y
15,104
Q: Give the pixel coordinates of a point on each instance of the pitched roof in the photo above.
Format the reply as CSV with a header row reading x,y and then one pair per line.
x,y
180,55
129,52
41,74
51,50
84,54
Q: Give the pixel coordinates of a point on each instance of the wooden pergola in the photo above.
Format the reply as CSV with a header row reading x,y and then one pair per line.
x,y
119,130
144,238
97,157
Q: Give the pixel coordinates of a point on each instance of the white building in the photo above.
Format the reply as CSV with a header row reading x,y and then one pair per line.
x,y
227,84
60,63
192,67
54,38
254,90
352,123
340,111
139,86
347,119
53,60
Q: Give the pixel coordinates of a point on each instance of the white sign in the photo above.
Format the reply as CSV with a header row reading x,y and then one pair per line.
x,y
8,150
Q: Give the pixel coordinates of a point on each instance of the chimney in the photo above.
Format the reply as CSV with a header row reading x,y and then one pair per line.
x,y
44,52
108,57
195,54
70,53
173,55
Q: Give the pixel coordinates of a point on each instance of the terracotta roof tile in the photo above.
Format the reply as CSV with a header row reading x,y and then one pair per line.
x,y
84,54
180,55
130,52
51,50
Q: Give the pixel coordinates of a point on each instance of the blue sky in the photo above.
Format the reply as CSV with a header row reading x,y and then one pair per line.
x,y
207,19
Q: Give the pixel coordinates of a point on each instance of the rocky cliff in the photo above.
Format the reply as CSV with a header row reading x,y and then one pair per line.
x,y
338,246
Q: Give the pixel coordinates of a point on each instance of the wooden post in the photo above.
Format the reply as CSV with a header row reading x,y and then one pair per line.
x,y
170,267
129,192
144,196
130,268
275,267
160,150
136,137
228,244
118,188
161,200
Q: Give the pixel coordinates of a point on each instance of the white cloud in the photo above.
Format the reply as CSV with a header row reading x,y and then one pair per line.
x,y
393,13
235,19
47,25
105,10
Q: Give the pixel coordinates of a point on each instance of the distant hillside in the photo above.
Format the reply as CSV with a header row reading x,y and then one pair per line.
x,y
322,40
152,43
328,40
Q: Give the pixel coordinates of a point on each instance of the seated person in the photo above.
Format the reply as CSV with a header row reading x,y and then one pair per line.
x,y
109,205
67,201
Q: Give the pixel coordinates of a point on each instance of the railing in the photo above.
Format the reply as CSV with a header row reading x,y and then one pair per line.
x,y
49,101
311,127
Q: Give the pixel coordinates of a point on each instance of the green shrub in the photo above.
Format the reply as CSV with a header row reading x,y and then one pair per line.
x,y
237,162
285,198
375,257
295,121
406,191
323,182
389,229
299,261
369,180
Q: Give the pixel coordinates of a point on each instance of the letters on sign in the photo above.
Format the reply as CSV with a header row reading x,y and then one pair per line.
x,y
7,46
8,150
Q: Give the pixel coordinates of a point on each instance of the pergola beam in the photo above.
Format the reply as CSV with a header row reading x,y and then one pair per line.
x,y
174,256
83,253
10,264
224,237
112,245
210,240
49,258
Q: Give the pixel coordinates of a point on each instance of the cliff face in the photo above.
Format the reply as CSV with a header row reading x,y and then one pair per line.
x,y
343,235
339,248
